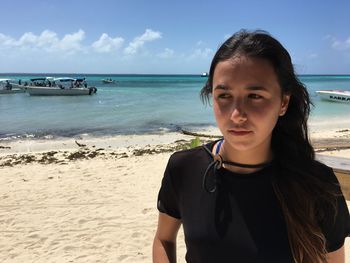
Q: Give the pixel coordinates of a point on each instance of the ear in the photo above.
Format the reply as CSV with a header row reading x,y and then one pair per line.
x,y
284,104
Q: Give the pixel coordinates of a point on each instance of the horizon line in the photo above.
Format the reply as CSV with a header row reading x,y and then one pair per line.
x,y
145,74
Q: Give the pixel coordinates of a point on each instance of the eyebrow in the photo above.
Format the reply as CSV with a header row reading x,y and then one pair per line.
x,y
220,86
257,88
223,87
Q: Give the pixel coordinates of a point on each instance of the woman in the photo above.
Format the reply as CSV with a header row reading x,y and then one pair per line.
x,y
257,195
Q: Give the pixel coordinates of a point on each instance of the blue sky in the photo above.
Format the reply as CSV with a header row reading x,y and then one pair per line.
x,y
165,37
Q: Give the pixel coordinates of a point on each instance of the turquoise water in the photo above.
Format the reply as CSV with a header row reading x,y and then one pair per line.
x,y
135,104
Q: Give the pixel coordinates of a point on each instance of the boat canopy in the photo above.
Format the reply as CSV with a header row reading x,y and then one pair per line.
x,y
42,79
64,79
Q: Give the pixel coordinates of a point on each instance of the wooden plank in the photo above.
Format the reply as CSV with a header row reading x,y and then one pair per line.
x,y
341,168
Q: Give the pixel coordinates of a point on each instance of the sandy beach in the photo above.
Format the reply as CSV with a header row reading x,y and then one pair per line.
x,y
94,200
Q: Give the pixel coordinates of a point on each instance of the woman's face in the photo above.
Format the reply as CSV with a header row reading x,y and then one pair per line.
x,y
247,102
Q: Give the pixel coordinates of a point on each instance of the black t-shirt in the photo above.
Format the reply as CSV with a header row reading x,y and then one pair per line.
x,y
240,222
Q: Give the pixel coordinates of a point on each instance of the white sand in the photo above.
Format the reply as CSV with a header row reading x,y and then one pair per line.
x,y
87,211
98,210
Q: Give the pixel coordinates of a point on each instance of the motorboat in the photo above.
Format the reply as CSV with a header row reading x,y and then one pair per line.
x,y
7,87
204,74
59,87
108,81
335,95
34,82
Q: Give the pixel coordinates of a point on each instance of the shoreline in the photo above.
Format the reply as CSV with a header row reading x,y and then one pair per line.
x,y
317,129
334,142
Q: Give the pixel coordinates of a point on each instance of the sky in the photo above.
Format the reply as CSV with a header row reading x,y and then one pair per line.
x,y
165,37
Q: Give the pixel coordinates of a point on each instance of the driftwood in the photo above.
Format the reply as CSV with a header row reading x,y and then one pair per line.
x,y
80,144
200,134
4,147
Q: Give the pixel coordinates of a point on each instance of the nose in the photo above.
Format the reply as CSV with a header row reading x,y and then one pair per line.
x,y
238,114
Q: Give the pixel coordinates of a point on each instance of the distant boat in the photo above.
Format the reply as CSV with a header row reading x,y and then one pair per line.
x,y
204,74
335,95
108,81
6,87
59,87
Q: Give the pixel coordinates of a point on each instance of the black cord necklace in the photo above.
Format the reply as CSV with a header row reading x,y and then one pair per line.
x,y
218,162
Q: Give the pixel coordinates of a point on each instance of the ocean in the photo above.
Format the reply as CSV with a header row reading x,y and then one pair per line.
x,y
137,104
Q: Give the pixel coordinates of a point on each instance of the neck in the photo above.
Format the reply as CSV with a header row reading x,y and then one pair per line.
x,y
258,155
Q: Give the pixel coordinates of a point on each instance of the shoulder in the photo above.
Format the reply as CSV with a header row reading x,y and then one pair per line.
x,y
191,162
190,153
321,166
313,170
188,157
324,172
196,154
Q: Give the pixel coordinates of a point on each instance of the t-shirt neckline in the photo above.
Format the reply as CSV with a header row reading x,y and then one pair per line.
x,y
240,175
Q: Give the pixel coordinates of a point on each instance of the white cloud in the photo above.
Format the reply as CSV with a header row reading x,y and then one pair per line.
x,y
28,39
200,43
167,53
107,44
72,42
47,40
139,41
339,44
6,40
68,44
149,35
313,56
201,53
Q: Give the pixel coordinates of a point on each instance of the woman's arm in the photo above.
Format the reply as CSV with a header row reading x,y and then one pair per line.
x,y
164,244
336,256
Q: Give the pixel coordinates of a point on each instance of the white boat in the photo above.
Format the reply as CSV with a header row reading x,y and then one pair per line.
x,y
34,82
204,74
55,91
7,87
335,95
108,81
60,87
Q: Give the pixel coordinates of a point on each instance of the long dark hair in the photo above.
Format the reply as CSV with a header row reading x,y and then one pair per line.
x,y
299,187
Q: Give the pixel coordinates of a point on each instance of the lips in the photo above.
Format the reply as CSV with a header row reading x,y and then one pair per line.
x,y
239,132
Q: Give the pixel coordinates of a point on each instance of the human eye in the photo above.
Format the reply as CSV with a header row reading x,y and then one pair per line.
x,y
223,96
255,96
